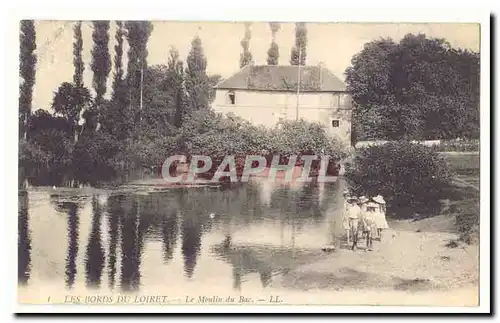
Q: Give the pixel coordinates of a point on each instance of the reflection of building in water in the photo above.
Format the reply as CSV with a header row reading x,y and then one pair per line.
x,y
23,239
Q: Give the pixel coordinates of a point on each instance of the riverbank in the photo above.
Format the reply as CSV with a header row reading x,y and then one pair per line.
x,y
403,263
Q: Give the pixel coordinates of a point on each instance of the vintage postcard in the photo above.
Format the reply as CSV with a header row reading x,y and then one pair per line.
x,y
189,164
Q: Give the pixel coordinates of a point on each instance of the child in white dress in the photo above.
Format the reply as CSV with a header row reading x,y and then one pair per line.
x,y
379,215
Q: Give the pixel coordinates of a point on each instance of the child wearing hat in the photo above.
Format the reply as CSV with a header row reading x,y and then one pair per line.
x,y
350,217
379,215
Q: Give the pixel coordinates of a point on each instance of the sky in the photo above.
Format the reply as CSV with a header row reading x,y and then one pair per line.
x,y
332,44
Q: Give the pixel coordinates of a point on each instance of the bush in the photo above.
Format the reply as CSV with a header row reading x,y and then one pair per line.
x,y
93,158
215,135
411,177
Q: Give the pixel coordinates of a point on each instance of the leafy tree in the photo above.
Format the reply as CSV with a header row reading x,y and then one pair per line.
x,y
175,74
299,50
27,62
419,88
196,79
69,101
118,74
159,100
138,33
411,177
116,115
101,60
246,56
274,52
94,158
213,80
77,55
47,153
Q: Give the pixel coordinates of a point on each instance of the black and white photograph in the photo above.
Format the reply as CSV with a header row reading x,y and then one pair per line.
x,y
249,163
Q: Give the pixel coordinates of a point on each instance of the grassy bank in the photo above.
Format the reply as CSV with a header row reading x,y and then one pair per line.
x,y
464,195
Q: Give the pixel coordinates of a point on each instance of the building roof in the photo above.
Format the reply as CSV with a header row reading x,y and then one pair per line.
x,y
283,78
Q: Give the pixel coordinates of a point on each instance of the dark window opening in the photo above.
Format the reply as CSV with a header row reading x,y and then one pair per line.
x,y
335,123
232,98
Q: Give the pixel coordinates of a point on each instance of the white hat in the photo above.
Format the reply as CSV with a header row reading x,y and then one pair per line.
x,y
363,199
379,199
352,199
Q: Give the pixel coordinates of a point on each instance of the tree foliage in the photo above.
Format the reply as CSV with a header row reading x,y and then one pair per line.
x,y
118,59
196,79
419,88
27,72
246,55
77,54
70,101
274,52
299,51
411,177
116,116
138,33
46,155
101,60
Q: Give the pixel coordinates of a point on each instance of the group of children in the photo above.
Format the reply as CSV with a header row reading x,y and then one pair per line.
x,y
366,215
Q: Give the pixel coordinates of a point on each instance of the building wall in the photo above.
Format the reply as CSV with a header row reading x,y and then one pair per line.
x,y
269,107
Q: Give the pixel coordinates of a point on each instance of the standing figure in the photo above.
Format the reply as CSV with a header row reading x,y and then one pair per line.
x,y
380,219
367,223
351,217
362,205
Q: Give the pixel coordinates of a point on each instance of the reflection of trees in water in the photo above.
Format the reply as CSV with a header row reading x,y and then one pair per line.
x,y
73,227
265,276
170,231
158,218
244,260
94,260
191,229
115,211
237,275
130,273
70,204
23,239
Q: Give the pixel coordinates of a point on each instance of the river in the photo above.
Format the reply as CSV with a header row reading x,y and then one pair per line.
x,y
234,239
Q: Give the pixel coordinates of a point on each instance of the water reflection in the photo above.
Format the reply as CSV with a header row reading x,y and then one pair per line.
x,y
114,214
94,260
73,232
130,274
252,232
170,230
23,240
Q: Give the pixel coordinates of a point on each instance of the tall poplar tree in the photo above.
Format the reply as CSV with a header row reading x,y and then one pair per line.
x,y
27,72
118,60
77,55
196,79
274,52
116,118
138,33
300,45
101,60
246,56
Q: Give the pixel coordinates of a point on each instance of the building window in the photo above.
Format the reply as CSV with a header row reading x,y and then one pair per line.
x,y
232,97
335,123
